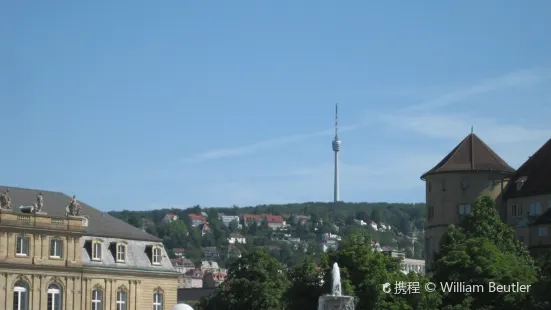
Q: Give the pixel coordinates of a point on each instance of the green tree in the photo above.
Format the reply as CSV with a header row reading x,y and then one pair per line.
x,y
363,272
482,250
255,281
376,215
540,290
234,226
306,286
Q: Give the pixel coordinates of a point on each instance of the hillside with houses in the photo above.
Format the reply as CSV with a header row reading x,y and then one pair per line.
x,y
201,242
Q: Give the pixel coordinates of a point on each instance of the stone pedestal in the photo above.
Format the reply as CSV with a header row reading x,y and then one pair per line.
x,y
330,302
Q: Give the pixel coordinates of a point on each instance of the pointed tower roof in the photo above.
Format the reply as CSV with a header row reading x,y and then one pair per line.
x,y
471,154
533,175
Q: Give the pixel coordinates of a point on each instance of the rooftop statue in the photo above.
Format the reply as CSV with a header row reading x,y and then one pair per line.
x,y
37,208
5,201
73,208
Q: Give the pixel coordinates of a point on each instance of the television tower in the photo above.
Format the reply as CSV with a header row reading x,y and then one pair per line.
x,y
336,148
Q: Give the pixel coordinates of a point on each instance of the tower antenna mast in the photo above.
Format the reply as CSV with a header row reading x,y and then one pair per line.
x,y
336,148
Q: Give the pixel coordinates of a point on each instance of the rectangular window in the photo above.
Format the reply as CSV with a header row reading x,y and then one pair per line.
x,y
538,208
22,246
532,209
464,209
542,231
56,248
516,210
96,251
121,253
157,256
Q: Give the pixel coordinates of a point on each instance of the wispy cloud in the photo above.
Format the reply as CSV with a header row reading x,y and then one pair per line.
x,y
449,126
513,79
267,144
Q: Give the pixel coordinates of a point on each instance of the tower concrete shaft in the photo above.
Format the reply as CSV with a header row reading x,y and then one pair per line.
x,y
336,182
336,148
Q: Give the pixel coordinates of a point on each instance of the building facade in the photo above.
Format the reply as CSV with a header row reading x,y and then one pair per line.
x,y
72,256
472,169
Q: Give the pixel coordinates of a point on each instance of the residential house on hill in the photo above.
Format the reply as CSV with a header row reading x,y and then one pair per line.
x,y
197,219
233,251
248,219
205,229
209,266
183,265
228,219
193,279
236,238
213,279
413,265
275,221
211,253
179,252
169,217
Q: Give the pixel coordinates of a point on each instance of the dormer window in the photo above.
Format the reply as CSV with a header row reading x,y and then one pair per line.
x,y
520,182
121,253
96,250
155,254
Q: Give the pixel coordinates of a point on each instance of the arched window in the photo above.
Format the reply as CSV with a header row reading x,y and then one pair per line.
x,y
158,300
20,296
97,299
54,297
122,300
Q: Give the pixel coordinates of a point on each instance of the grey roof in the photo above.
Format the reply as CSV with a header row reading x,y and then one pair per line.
x,y
136,257
100,223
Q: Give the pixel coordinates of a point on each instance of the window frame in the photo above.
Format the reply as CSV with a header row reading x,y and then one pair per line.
x,y
59,246
95,255
516,210
118,253
120,302
20,249
158,300
97,301
21,289
463,206
51,293
156,259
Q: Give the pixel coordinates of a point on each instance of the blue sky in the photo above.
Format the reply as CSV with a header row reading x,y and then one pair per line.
x,y
141,104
